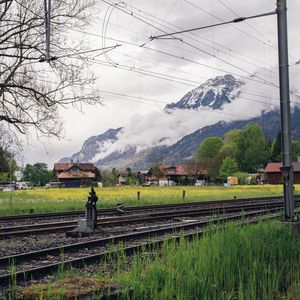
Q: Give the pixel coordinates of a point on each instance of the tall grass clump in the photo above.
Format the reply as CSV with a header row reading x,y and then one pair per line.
x,y
259,261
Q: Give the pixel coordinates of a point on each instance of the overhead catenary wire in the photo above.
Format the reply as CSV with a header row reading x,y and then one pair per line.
x,y
197,84
254,60
236,28
239,75
264,81
192,35
145,72
83,52
162,104
168,78
193,111
184,81
251,26
193,46
108,14
180,58
236,20
196,38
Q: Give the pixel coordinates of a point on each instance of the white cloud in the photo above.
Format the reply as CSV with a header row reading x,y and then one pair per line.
x,y
146,123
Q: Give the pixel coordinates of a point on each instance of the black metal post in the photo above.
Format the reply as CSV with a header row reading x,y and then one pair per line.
x,y
287,167
47,10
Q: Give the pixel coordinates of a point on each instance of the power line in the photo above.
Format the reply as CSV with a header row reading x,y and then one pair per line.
x,y
189,44
193,34
80,53
178,57
180,80
171,55
193,111
223,70
201,37
236,20
251,26
146,72
210,66
155,102
165,77
149,73
222,20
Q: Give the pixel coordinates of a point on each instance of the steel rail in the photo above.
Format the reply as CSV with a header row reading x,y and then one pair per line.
x,y
7,232
107,211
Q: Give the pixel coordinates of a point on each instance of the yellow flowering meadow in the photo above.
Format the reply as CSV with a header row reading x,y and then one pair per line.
x,y
42,200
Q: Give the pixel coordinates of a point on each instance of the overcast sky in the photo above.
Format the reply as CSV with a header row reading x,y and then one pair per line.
x,y
163,71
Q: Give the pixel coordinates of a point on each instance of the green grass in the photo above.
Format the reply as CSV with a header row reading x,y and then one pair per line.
x,y
254,262
39,200
260,262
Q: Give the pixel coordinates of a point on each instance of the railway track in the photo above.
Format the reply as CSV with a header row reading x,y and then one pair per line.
x,y
135,209
38,263
177,211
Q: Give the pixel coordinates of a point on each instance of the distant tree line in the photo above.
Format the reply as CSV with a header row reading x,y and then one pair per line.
x,y
242,151
38,174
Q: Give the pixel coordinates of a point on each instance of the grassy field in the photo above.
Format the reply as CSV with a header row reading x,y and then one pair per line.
x,y
259,261
254,262
42,200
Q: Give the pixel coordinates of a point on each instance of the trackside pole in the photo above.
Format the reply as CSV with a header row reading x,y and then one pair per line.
x,y
285,110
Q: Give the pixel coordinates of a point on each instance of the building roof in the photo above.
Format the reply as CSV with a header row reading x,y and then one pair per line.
x,y
275,167
67,175
67,166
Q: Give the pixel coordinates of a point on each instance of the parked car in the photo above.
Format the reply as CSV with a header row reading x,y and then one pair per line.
x,y
53,185
200,182
9,188
23,185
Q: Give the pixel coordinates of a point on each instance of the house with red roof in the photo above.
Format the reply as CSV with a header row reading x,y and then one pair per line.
x,y
274,175
76,174
173,175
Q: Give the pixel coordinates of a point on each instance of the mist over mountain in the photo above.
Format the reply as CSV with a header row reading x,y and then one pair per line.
x,y
95,146
174,134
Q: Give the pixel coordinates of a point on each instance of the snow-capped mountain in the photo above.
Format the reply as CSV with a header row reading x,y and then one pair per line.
x,y
214,93
174,134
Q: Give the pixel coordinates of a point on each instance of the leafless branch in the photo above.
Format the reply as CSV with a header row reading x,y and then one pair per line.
x,y
31,92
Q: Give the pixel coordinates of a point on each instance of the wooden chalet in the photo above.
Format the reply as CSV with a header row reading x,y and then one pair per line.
x,y
180,175
173,175
76,174
274,173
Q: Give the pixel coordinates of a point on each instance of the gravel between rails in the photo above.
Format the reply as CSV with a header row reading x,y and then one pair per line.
x,y
71,220
14,245
96,248
48,217
25,244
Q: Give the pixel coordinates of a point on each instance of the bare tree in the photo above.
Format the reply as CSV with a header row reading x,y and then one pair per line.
x,y
194,168
32,90
8,139
157,168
